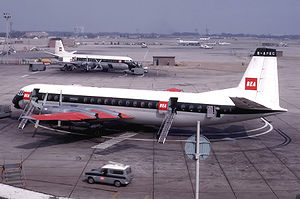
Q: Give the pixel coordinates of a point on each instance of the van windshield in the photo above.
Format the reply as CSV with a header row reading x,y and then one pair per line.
x,y
128,170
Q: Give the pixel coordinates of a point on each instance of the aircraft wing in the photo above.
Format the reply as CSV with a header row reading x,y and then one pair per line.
x,y
79,116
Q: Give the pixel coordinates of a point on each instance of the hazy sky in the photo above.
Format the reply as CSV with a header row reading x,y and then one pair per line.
x,y
160,16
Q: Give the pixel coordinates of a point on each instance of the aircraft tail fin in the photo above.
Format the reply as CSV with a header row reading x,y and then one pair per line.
x,y
59,47
260,81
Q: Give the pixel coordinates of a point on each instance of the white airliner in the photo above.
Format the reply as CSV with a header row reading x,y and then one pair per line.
x,y
256,95
189,42
204,38
71,56
88,62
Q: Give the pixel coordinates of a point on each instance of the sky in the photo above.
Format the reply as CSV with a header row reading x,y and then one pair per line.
x,y
276,17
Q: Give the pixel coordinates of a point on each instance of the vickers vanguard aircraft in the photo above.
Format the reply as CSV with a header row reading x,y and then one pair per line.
x,y
255,96
86,62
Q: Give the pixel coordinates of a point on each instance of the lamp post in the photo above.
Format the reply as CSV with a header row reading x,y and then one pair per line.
x,y
6,16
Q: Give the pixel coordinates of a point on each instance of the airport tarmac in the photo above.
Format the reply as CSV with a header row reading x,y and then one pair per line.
x,y
266,166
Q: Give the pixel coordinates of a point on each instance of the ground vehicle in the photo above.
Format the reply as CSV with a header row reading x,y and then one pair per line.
x,y
112,173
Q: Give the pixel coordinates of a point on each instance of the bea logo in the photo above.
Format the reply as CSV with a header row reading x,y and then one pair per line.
x,y
250,83
26,96
60,48
163,106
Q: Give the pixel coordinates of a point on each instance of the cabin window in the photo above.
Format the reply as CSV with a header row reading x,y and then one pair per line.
x,y
120,102
99,101
106,101
85,100
191,107
150,104
156,105
135,103
182,107
128,103
113,101
143,104
56,97
92,100
50,97
199,108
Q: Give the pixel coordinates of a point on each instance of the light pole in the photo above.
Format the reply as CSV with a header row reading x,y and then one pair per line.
x,y
7,17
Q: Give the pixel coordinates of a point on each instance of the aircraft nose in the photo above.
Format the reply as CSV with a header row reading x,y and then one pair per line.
x,y
16,101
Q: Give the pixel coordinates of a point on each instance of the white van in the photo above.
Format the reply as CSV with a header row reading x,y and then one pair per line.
x,y
112,173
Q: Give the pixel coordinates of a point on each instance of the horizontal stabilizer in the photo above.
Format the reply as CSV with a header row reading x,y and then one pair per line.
x,y
244,103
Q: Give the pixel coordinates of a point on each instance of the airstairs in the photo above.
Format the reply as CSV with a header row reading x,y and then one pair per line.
x,y
167,121
165,126
13,175
29,108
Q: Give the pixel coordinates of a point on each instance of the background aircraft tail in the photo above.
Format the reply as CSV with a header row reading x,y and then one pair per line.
x,y
59,48
260,81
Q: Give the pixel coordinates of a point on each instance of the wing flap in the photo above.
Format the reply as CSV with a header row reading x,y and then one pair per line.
x,y
78,116
69,116
103,115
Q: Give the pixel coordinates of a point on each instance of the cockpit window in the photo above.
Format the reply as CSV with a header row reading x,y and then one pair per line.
x,y
21,93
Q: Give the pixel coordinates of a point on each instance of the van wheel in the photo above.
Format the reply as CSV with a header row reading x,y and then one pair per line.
x,y
91,180
117,183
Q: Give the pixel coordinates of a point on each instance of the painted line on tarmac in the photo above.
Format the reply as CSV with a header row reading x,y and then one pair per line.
x,y
115,195
267,124
113,141
24,76
7,191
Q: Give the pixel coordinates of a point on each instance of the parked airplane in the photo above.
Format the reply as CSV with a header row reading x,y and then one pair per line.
x,y
205,46
223,43
204,38
86,62
194,43
257,95
189,43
